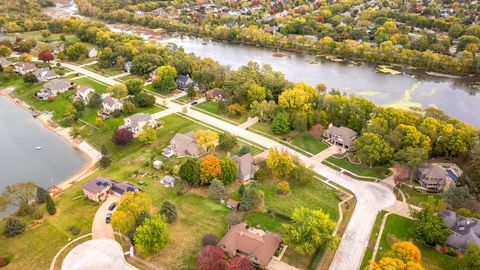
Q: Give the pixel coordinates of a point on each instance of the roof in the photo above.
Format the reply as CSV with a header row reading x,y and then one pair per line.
x,y
344,133
256,244
244,163
186,143
184,79
26,66
137,118
432,172
5,62
122,187
464,231
45,73
84,89
233,203
216,92
58,84
97,185
110,101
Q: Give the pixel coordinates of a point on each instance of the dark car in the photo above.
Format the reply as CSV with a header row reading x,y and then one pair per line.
x,y
108,218
194,103
112,206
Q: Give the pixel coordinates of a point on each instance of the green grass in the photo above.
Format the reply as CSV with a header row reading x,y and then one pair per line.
x,y
361,170
128,77
104,71
265,222
149,87
53,37
212,109
185,99
373,239
303,140
98,86
416,198
399,228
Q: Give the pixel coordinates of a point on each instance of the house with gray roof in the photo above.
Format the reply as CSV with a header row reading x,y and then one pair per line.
x,y
45,74
464,231
184,81
23,68
53,88
433,177
99,188
5,63
110,104
135,123
84,93
186,145
92,52
215,94
246,167
340,136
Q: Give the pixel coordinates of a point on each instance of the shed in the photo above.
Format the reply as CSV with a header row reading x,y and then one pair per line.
x,y
168,180
233,204
157,164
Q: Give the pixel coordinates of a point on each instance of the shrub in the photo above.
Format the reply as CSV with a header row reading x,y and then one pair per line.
x,y
37,214
244,150
122,136
283,188
74,230
14,227
260,175
169,210
141,218
105,162
209,239
180,190
50,205
216,190
3,262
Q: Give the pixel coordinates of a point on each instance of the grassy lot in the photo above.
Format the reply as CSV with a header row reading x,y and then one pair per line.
x,y
105,71
398,228
212,108
98,86
373,238
304,140
265,222
416,198
128,77
165,94
53,37
185,99
36,247
362,170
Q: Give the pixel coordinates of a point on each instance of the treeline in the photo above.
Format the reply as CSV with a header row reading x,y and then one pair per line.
x,y
26,15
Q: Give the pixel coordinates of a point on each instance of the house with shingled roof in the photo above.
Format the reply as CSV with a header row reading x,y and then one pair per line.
x,y
186,145
340,136
246,167
464,231
433,177
99,188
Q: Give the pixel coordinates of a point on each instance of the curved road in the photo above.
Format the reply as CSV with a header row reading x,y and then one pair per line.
x,y
371,197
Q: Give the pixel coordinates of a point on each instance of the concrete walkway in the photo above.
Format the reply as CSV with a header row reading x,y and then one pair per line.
x,y
250,122
279,265
331,150
100,229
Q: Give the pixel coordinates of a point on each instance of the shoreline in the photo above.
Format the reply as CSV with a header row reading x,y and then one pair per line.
x,y
91,155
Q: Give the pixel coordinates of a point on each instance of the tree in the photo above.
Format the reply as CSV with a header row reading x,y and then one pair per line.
x,y
455,195
118,90
134,86
300,173
410,157
471,259
50,205
169,210
190,172
280,124
229,170
283,188
122,221
95,101
406,251
309,230
166,71
122,136
216,190
209,169
212,258
190,92
428,228
209,239
144,99
148,136
251,199
227,141
26,57
165,85
256,93
207,139
299,98
373,149
17,195
240,263
30,78
135,203
46,56
76,51
265,110
152,236
105,161
128,107
5,51
235,110
41,194
244,150
279,162
14,227
299,122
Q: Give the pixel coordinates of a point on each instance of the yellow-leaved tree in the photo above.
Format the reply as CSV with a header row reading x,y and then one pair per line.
x,y
207,139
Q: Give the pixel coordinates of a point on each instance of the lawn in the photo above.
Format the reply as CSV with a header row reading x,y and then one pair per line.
x,y
53,37
361,170
265,222
36,248
185,99
128,77
416,198
105,71
399,228
373,239
304,140
149,87
211,108
98,86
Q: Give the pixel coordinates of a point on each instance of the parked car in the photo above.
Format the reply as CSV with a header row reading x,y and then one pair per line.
x,y
112,206
108,218
194,103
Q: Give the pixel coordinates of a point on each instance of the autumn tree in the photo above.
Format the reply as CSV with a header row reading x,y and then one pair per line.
x,y
299,98
240,263
210,169
283,188
373,149
5,51
280,162
256,93
212,258
122,221
76,51
118,90
166,71
207,139
229,170
45,56
264,110
309,230
18,195
148,135
190,172
406,251
122,136
152,236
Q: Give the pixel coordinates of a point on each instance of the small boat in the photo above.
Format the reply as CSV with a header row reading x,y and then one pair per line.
x,y
38,148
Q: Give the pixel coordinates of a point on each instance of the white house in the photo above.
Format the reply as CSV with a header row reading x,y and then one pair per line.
x,y
54,87
45,74
23,68
84,92
110,104
138,121
92,53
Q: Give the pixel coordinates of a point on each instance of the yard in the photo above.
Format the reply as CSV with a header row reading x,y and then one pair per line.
x,y
105,71
415,197
211,108
149,87
361,170
98,86
128,77
53,37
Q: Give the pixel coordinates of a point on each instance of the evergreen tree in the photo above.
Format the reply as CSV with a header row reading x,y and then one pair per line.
x,y
216,190
50,204
14,227
41,195
190,172
169,210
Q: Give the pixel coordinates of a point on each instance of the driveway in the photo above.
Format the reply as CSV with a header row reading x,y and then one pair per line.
x,y
332,149
279,265
100,229
96,254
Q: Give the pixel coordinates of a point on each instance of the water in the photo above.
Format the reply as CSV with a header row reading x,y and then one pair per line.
x,y
455,96
20,133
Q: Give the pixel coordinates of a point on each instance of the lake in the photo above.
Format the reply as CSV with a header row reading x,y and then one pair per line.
x,y
20,133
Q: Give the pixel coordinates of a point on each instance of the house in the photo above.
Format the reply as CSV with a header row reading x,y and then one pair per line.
x,y
341,136
92,52
135,123
23,68
215,94
84,92
58,48
257,245
157,164
186,145
127,66
464,231
110,104
434,177
246,166
98,189
53,88
45,74
168,181
5,63
184,81
233,204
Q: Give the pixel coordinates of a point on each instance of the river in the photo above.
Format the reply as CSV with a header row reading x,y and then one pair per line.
x,y
455,96
20,134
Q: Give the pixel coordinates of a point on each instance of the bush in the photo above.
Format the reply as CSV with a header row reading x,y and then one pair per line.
x,y
74,230
122,136
209,240
260,175
283,188
169,210
105,162
3,262
14,227
216,190
25,210
180,190
244,150
37,214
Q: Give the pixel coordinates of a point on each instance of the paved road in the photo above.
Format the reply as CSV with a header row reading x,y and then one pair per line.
x,y
100,229
371,197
